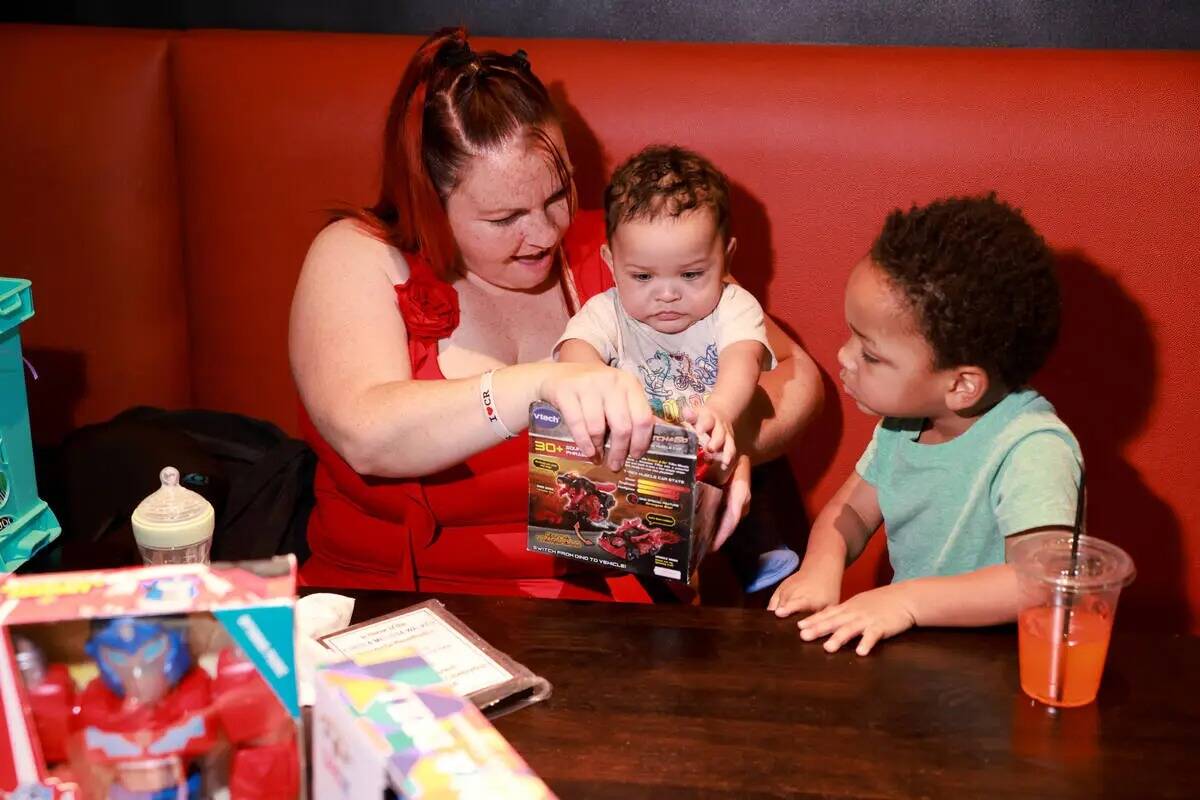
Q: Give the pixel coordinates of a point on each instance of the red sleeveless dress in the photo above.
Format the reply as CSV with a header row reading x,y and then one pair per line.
x,y
463,529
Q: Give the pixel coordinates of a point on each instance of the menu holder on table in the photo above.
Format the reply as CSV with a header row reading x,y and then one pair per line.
x,y
490,679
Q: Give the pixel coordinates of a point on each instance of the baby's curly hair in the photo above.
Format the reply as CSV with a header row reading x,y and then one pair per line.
x,y
665,181
980,281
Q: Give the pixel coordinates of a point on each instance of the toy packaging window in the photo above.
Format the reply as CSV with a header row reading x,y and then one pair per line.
x,y
495,682
653,517
151,683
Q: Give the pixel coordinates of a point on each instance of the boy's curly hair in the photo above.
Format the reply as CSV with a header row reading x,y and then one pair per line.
x,y
665,180
980,281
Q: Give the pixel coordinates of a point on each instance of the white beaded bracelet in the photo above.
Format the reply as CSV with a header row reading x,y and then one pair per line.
x,y
489,407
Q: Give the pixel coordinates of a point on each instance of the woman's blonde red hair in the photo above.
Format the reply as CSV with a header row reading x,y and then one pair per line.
x,y
452,103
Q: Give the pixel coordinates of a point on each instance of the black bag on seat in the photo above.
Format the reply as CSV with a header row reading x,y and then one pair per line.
x,y
258,479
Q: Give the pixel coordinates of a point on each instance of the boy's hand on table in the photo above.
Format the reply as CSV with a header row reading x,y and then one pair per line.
x,y
878,614
809,589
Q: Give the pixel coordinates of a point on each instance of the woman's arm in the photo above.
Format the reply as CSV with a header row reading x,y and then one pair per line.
x,y
349,354
577,351
787,399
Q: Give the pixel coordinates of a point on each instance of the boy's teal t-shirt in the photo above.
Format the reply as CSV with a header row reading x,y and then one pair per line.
x,y
947,507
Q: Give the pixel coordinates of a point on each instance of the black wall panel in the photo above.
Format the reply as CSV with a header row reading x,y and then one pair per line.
x,y
1153,24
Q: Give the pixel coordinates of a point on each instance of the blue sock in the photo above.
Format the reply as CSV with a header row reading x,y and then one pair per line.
x,y
773,567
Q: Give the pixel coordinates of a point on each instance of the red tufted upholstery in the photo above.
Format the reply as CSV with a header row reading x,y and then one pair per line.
x,y
89,209
163,213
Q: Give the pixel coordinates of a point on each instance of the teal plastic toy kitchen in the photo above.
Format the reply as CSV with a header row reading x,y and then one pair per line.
x,y
26,523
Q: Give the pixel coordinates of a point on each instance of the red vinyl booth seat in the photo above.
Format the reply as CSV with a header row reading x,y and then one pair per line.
x,y
161,188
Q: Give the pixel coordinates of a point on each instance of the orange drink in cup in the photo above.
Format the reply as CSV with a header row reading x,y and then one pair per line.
x,y
1066,614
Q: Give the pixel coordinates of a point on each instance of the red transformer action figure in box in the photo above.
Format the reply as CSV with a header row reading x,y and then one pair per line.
x,y
151,683
145,723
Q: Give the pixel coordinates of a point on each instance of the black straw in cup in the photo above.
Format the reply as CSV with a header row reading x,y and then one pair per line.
x,y
1059,657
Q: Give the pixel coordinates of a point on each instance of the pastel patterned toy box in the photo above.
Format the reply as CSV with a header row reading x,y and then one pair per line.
x,y
173,681
386,725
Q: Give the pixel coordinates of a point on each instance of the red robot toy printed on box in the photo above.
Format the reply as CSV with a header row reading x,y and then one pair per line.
x,y
586,503
632,539
142,729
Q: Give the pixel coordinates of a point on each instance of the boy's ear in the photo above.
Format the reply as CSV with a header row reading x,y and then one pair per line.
x,y
606,254
970,386
730,249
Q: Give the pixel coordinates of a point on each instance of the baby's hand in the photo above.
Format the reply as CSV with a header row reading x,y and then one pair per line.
x,y
715,434
878,614
807,590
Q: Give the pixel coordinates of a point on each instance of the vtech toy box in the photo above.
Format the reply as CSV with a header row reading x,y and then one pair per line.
x,y
651,518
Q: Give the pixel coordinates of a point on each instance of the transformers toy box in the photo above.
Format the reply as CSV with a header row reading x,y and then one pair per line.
x,y
386,725
651,518
172,681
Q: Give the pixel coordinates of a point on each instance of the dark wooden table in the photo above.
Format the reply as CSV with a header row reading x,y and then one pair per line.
x,y
664,702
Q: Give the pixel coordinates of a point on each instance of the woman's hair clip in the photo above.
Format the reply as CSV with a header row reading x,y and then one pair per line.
x,y
522,58
459,56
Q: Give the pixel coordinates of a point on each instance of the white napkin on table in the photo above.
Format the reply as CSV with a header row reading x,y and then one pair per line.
x,y
317,615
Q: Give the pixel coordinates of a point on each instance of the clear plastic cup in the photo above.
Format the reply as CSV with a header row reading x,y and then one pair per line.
x,y
174,525
1066,613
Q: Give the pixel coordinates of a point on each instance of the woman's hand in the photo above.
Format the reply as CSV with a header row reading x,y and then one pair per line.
x,y
737,502
595,399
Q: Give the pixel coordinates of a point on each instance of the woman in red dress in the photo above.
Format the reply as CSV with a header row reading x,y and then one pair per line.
x,y
420,331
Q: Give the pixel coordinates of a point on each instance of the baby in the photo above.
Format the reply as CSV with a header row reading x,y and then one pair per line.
x,y
696,340
951,313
